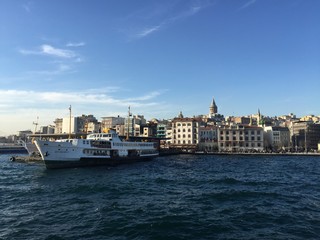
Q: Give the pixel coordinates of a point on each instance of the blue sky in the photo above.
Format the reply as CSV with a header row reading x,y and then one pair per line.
x,y
160,57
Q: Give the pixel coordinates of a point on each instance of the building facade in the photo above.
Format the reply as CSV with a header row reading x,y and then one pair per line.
x,y
277,138
240,138
185,133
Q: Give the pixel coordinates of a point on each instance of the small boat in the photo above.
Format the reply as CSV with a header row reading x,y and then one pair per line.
x,y
97,149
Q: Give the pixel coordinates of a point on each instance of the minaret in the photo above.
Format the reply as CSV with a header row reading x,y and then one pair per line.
x,y
213,108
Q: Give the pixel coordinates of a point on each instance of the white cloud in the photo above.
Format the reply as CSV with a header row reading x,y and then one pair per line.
x,y
20,108
75,44
49,50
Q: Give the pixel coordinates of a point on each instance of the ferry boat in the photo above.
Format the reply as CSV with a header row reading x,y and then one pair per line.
x,y
97,149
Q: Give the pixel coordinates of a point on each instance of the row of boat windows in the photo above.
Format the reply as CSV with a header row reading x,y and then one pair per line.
x,y
131,144
102,135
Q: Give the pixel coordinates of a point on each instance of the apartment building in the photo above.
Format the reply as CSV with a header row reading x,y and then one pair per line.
x,y
208,138
185,132
277,138
240,138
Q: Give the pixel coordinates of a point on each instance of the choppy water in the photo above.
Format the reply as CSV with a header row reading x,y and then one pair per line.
x,y
176,197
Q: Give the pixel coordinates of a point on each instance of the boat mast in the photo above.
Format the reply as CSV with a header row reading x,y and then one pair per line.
x,y
70,122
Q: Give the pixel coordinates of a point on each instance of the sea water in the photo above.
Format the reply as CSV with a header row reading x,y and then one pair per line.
x,y
173,197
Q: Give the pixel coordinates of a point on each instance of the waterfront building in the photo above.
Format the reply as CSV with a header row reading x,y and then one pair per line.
x,y
305,135
150,130
240,138
208,138
185,133
161,129
277,138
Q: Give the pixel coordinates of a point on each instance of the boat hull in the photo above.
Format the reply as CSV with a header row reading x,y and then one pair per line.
x,y
92,162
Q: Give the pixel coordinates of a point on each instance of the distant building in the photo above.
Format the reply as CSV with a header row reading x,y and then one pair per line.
x,y
239,138
58,125
111,122
305,135
213,109
185,133
134,126
47,129
277,138
69,125
208,138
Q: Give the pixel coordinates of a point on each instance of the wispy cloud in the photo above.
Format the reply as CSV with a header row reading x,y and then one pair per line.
x,y
60,69
49,50
171,17
247,4
148,31
96,96
75,44
27,6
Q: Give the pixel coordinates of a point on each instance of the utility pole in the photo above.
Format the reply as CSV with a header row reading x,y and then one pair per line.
x,y
128,120
70,122
305,138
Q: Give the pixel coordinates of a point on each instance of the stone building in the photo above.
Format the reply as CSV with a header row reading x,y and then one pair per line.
x,y
240,138
185,133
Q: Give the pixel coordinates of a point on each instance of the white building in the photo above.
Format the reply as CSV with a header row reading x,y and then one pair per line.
x,y
277,138
185,132
69,126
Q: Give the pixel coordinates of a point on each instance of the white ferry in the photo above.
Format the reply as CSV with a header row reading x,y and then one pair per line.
x,y
96,149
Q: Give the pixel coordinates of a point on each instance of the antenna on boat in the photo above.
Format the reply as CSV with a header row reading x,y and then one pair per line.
x,y
70,122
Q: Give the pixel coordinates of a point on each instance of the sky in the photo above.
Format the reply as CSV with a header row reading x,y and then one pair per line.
x,y
159,57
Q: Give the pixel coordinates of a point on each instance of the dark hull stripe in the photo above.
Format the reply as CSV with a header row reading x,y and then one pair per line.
x,y
90,162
